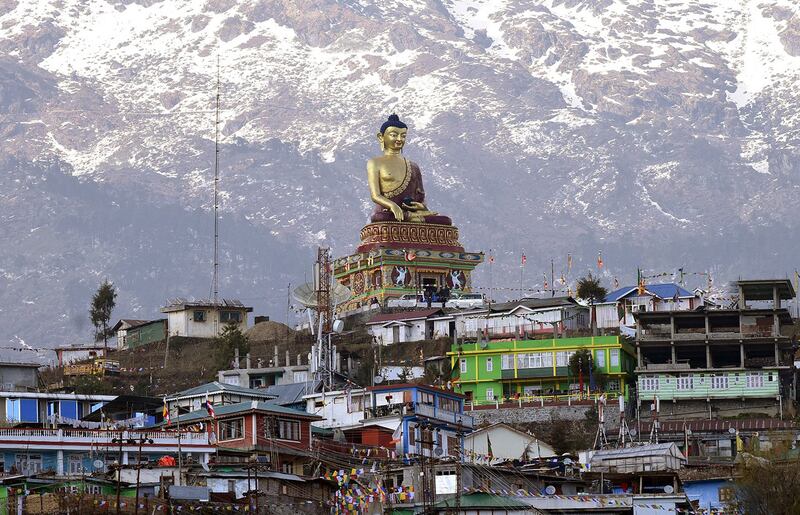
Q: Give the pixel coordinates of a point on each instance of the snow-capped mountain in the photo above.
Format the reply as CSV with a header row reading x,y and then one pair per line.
x,y
664,133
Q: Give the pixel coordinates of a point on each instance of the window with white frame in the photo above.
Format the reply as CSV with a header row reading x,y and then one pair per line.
x,y
648,383
490,394
719,382
685,382
288,430
29,464
614,357
463,365
507,362
562,358
75,465
600,359
489,365
231,429
755,380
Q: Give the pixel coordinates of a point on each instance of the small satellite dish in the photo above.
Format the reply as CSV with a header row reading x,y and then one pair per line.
x,y
567,461
438,451
484,344
98,464
732,430
668,489
550,490
633,431
378,379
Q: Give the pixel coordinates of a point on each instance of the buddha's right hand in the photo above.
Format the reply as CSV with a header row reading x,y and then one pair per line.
x,y
398,213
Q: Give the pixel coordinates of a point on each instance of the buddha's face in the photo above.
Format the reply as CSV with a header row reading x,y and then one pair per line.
x,y
393,139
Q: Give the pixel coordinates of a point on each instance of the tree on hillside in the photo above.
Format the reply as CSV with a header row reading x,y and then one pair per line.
x,y
231,339
581,364
767,485
103,303
589,288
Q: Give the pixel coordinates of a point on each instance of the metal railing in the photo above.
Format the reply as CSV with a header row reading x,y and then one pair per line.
x,y
99,435
525,401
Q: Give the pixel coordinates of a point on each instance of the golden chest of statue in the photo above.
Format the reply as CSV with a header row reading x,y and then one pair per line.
x,y
394,176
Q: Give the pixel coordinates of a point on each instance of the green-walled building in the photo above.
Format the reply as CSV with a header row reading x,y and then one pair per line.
x,y
489,371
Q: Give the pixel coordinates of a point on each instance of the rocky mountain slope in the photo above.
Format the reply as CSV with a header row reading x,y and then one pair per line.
x,y
664,133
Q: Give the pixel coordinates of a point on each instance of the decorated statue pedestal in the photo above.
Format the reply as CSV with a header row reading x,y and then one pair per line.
x,y
407,248
400,258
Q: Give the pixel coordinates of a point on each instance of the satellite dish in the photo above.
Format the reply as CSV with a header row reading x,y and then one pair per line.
x,y
306,294
668,489
632,432
567,461
377,379
484,344
732,430
338,326
98,464
550,490
438,451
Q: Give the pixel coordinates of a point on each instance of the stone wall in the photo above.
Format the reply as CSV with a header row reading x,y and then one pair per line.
x,y
546,413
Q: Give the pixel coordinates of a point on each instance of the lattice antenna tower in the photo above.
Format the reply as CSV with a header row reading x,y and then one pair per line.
x,y
215,277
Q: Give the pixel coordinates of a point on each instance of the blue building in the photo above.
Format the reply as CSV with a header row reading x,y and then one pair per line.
x,y
417,419
713,495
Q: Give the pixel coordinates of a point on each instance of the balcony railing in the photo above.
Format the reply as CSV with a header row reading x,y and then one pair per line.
x,y
98,436
425,410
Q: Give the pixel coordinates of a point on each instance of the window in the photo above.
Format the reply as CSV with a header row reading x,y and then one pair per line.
x,y
231,429
230,316
648,384
29,464
719,382
300,377
463,364
490,394
69,409
412,434
612,385
507,362
755,380
287,468
452,446
75,465
199,316
449,404
614,355
425,398
562,358
600,359
22,410
489,365
685,382
288,430
726,494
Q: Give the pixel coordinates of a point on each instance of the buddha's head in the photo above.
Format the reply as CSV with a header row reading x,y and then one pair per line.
x,y
392,135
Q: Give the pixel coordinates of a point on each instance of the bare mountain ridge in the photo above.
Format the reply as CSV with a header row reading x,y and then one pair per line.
x,y
663,133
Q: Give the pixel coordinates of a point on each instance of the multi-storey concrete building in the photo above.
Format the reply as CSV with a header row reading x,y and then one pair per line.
x,y
714,363
488,371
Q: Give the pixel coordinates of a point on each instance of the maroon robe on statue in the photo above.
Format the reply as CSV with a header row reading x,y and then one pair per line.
x,y
412,189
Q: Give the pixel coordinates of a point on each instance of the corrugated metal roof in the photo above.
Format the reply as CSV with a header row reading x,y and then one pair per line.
x,y
662,291
722,426
292,393
240,407
404,315
656,449
216,386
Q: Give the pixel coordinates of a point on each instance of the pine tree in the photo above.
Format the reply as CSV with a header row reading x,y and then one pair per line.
x,y
103,303
589,288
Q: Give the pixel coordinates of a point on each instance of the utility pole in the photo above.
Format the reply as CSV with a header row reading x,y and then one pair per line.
x,y
459,457
552,278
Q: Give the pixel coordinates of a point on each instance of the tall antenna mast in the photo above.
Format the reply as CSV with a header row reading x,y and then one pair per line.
x,y
215,280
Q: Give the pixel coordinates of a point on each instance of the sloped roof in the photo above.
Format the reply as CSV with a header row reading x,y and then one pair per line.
x,y
241,407
662,291
216,386
534,303
656,449
181,304
130,322
292,393
404,315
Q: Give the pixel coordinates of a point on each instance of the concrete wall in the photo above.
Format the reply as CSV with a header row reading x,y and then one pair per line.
x,y
517,415
18,378
699,409
181,323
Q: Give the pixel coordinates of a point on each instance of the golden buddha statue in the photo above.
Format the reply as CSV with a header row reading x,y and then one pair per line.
x,y
395,183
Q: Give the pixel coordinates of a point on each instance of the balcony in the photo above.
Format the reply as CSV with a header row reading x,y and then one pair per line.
x,y
424,410
12,437
758,384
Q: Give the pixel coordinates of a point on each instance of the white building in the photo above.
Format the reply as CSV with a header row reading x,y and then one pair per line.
x,y
507,443
342,409
403,326
219,394
618,307
516,319
204,318
68,354
121,329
